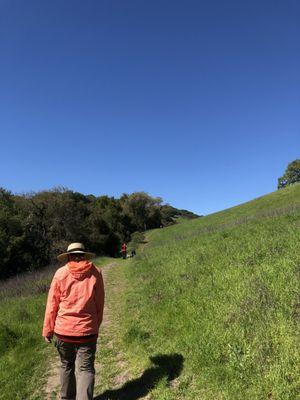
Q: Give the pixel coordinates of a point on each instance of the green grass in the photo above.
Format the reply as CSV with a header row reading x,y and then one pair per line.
x,y
110,350
23,353
101,261
222,291
209,309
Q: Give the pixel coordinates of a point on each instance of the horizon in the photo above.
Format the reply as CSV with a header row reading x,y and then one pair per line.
x,y
195,103
118,197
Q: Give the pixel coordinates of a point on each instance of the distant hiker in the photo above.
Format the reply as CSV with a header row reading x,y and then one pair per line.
x,y
73,314
124,251
133,253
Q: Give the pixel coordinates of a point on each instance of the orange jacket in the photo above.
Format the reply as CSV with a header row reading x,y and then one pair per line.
x,y
75,300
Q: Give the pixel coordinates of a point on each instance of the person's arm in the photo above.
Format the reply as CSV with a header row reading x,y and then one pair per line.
x,y
51,308
100,295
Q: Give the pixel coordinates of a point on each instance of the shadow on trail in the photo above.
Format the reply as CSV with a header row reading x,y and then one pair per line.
x,y
169,366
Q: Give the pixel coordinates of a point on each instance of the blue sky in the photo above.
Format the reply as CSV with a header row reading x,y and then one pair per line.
x,y
196,102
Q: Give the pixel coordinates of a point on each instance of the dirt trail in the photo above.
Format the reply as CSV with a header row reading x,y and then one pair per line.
x,y
53,384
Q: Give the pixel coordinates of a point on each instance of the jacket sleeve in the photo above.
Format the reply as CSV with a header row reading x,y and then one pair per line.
x,y
99,293
51,307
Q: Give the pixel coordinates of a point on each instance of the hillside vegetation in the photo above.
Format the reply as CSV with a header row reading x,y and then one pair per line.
x,y
35,227
223,292
209,309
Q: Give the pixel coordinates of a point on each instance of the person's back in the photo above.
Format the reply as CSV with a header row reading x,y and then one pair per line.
x,y
74,313
79,287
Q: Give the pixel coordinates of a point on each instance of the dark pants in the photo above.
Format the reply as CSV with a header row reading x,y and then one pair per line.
x,y
85,353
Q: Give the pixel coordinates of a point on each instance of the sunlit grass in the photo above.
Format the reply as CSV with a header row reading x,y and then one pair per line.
x,y
223,291
23,352
101,261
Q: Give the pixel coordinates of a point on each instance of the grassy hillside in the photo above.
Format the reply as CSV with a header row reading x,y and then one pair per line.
x,y
208,310
222,292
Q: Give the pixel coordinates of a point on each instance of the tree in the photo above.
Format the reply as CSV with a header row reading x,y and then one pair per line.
x,y
11,237
291,175
36,249
142,209
35,227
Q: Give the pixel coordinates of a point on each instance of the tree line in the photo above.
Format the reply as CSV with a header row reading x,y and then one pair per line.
x,y
35,227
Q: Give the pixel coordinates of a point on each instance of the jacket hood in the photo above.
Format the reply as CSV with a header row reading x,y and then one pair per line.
x,y
80,268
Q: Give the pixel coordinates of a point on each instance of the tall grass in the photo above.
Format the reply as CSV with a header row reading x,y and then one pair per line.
x,y
222,291
27,284
23,353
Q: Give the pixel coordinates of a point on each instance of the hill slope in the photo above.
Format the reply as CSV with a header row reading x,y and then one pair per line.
x,y
222,292
208,310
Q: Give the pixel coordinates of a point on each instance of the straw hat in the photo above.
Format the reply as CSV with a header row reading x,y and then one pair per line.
x,y
75,248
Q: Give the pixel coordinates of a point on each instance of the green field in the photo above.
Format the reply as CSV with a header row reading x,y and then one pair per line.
x,y
209,309
223,292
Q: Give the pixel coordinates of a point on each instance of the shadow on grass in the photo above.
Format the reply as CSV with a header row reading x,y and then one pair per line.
x,y
165,366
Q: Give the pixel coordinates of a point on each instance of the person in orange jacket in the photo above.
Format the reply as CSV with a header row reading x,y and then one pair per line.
x,y
74,313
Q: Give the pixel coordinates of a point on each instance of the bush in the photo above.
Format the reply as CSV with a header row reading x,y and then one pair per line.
x,y
291,175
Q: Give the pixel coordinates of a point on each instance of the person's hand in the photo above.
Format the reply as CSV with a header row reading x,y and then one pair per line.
x,y
48,338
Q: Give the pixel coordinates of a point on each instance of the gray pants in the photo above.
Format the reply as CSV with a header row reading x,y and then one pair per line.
x,y
85,353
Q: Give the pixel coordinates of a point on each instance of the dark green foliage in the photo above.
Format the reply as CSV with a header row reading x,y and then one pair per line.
x,y
34,228
12,237
142,209
291,175
138,237
169,214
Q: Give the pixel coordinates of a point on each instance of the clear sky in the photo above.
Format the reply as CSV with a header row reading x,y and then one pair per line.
x,y
194,101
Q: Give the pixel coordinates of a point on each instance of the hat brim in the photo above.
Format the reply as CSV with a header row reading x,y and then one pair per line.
x,y
64,256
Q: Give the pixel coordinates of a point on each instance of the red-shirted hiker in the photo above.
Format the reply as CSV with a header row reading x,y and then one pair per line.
x,y
124,251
